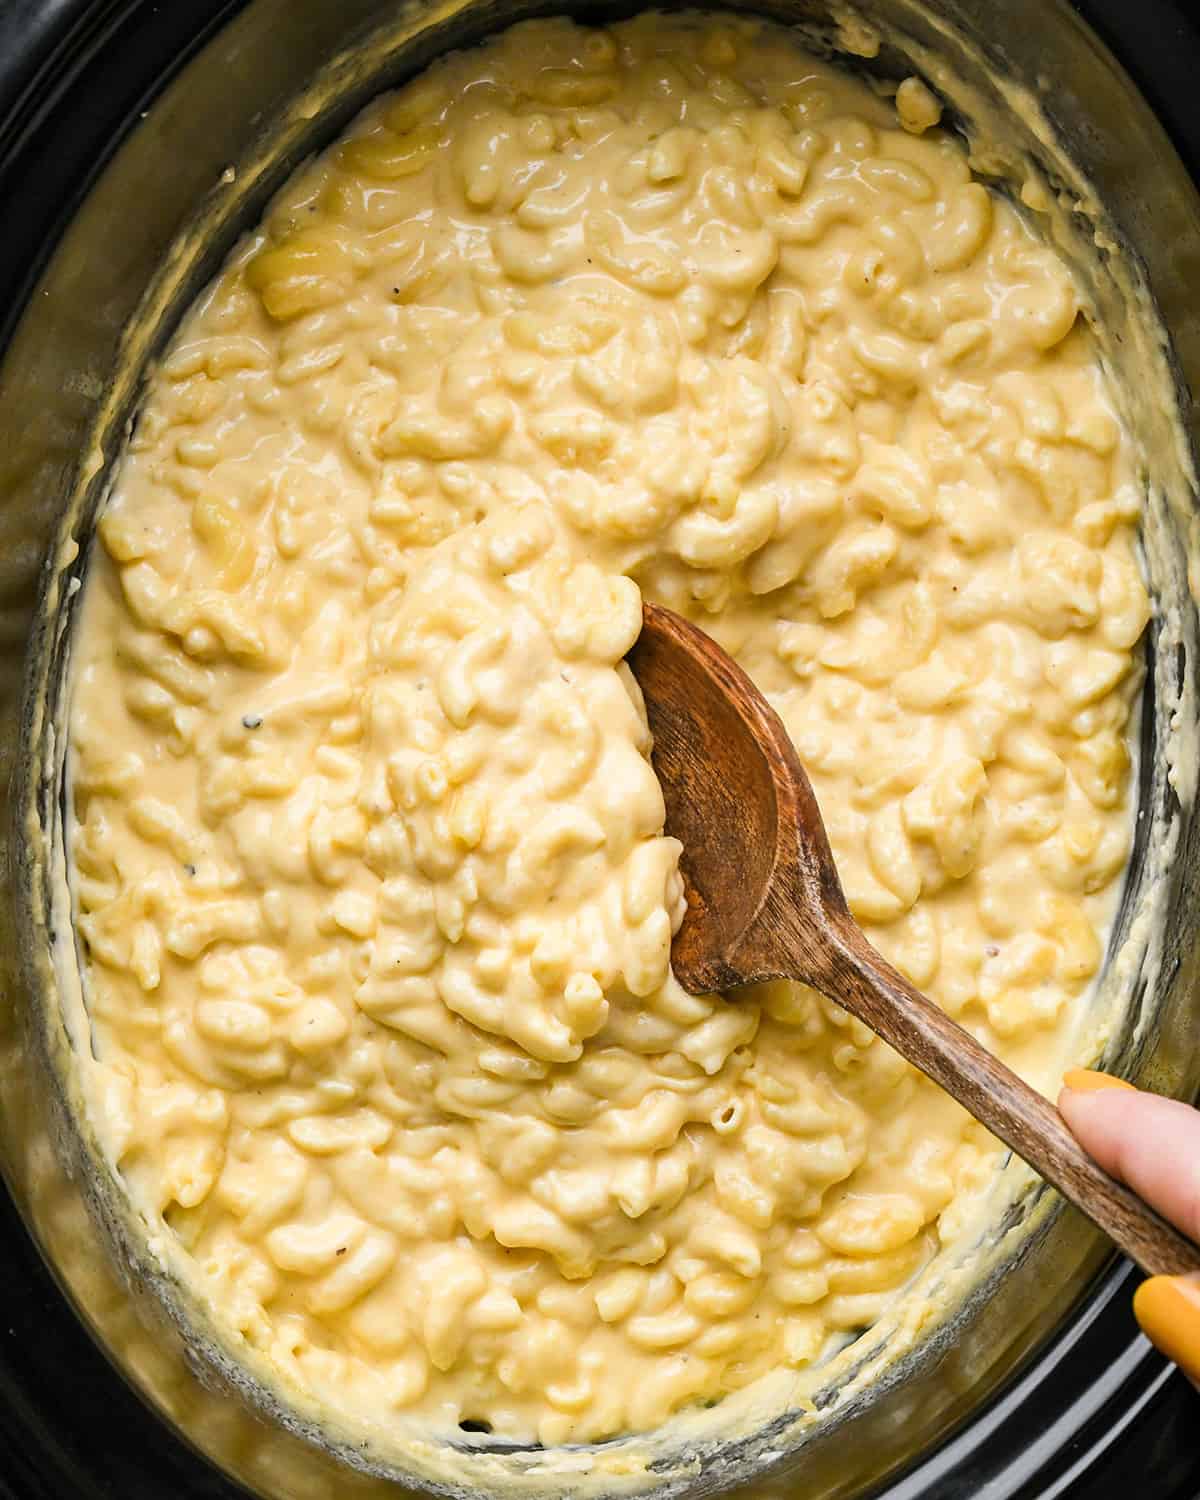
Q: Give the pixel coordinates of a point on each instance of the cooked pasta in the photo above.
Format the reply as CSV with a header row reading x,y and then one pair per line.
x,y
368,854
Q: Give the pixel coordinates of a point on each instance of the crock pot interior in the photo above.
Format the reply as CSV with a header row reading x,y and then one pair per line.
x,y
247,103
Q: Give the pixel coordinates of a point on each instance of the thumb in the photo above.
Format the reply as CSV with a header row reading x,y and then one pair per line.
x,y
1149,1143
1153,1146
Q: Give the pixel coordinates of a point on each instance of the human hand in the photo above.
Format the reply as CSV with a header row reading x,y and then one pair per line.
x,y
1152,1145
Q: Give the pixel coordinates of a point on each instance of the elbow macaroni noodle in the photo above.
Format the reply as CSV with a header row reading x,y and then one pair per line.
x,y
368,854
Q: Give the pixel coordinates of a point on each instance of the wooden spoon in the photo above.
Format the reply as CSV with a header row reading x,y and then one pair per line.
x,y
764,902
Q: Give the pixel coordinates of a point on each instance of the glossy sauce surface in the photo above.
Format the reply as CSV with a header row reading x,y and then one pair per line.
x,y
368,855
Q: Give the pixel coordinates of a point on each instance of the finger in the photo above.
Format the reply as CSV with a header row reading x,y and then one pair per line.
x,y
1168,1312
1150,1143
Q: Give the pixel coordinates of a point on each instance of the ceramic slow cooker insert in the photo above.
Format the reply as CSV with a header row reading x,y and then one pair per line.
x,y
142,144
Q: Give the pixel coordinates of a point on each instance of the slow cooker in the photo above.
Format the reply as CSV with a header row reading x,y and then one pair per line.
x,y
120,121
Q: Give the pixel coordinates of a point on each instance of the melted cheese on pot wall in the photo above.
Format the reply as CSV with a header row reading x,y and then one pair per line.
x,y
368,855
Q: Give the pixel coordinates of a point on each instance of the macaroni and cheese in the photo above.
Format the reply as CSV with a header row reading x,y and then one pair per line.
x,y
368,856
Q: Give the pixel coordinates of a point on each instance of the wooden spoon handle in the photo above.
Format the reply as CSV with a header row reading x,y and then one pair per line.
x,y
868,986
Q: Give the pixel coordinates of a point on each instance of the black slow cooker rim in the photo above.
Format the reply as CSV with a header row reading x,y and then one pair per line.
x,y
93,65
1090,1411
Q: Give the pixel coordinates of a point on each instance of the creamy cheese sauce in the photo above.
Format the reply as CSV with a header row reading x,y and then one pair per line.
x,y
368,857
